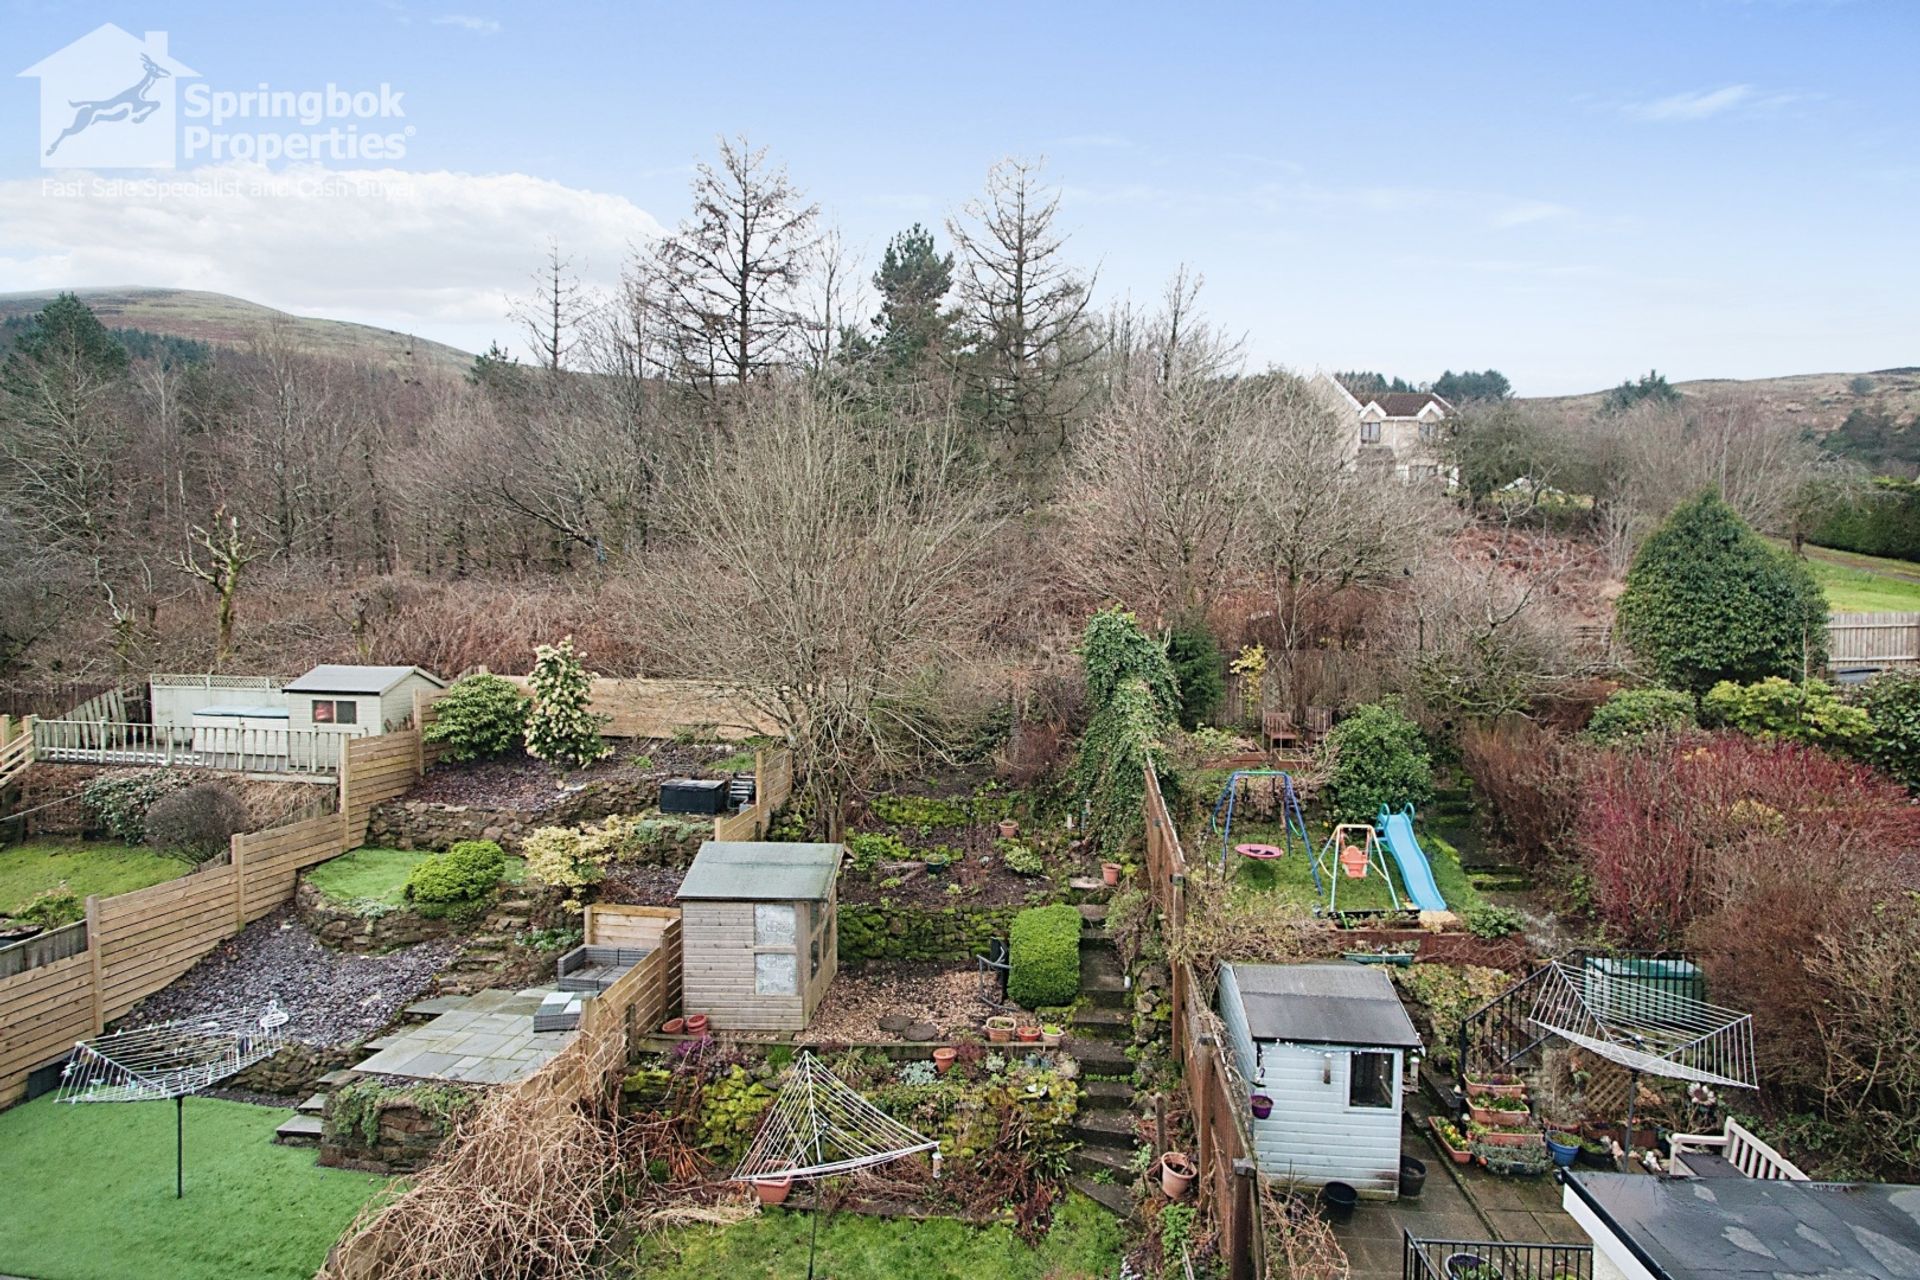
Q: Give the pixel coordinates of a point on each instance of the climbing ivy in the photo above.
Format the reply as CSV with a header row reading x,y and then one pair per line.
x,y
1132,688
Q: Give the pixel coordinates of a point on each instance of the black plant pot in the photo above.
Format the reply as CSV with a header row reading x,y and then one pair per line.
x,y
1339,1199
1413,1177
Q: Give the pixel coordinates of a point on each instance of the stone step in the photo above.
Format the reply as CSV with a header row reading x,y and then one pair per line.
x,y
1094,1160
381,1042
1101,1024
301,1131
1111,1196
1106,1095
335,1078
1106,1129
1098,1057
313,1106
1093,915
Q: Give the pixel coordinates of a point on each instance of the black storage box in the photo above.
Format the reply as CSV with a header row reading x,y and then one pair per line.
x,y
693,795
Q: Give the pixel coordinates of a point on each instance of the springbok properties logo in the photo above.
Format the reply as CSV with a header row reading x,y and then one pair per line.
x,y
109,101
112,100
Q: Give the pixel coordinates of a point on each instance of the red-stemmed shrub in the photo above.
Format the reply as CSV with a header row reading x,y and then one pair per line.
x,y
1528,780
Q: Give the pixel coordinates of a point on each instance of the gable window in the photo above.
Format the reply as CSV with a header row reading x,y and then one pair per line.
x,y
1369,433
1429,432
1370,1081
336,711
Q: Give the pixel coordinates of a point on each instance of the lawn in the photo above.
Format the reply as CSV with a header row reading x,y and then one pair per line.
x,y
1290,878
1865,584
371,874
85,866
1085,1242
92,1195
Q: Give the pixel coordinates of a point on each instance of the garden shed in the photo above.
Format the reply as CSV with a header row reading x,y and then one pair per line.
x,y
1328,1044
356,701
757,932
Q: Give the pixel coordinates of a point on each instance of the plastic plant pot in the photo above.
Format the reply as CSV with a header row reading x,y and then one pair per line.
x,y
772,1190
1176,1175
1339,1199
1009,828
1413,1177
1565,1149
1262,1106
1050,1035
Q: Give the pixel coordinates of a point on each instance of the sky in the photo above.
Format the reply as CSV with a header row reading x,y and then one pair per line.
x,y
1571,193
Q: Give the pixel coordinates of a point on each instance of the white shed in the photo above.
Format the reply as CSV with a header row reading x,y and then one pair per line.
x,y
1329,1045
355,701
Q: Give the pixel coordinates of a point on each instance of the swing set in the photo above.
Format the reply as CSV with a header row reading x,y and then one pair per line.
x,y
1241,790
1353,852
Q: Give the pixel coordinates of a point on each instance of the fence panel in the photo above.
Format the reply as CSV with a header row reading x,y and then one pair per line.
x,y
1872,639
42,1012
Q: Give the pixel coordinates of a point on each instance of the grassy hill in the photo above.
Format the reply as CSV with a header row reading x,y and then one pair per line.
x,y
1821,400
221,320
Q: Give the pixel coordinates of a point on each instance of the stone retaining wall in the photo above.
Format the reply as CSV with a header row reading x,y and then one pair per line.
x,y
295,1070
415,824
880,932
343,929
407,1134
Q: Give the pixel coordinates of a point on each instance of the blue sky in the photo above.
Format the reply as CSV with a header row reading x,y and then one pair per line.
x,y
1571,193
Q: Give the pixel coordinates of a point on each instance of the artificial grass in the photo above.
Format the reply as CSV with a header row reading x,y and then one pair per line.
x,y
1085,1241
376,876
84,866
92,1195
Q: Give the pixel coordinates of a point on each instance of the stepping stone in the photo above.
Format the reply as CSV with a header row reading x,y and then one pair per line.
x,y
922,1031
1107,1095
894,1023
1106,1129
301,1131
314,1105
335,1078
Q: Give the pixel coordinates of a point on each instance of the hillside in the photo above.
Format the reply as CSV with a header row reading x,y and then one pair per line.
x,y
1821,400
221,320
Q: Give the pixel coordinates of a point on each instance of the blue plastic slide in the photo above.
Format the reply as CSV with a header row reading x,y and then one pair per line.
x,y
1415,871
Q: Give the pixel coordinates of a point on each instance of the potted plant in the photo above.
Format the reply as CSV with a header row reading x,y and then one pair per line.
x,y
1451,1140
1500,1086
1051,1033
1176,1175
1492,1136
1009,828
1000,1028
1470,1266
1027,1033
1596,1153
936,864
772,1190
1262,1106
1110,872
943,1058
1499,1110
1564,1148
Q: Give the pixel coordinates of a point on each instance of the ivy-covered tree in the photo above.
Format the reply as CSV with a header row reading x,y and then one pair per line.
x,y
560,729
1708,600
1134,695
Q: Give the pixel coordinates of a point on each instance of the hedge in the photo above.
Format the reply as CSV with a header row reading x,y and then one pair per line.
x,y
1045,956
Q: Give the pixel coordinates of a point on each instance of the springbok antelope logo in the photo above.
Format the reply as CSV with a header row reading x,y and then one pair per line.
x,y
132,104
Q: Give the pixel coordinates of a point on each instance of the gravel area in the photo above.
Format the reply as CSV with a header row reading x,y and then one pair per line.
x,y
521,782
629,884
945,995
334,998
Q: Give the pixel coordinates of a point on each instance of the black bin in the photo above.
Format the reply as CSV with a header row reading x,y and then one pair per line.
x,y
693,795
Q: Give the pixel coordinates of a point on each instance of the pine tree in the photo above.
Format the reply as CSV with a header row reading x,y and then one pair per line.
x,y
914,279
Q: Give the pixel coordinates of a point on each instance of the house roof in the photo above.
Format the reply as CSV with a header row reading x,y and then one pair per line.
x,y
1340,1003
1403,404
762,871
336,678
1728,1228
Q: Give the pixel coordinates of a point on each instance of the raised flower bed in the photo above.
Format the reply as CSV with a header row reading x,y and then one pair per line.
x,y
1453,1142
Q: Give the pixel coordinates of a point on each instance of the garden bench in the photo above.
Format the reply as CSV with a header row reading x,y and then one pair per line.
x,y
593,968
1278,731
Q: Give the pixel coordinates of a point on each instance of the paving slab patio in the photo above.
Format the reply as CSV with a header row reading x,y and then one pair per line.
x,y
485,1038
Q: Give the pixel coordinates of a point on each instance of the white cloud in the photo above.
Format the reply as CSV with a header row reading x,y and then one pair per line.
x,y
468,22
438,254
1526,211
1704,104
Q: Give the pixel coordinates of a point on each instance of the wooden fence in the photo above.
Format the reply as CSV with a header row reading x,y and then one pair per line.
x,y
1228,1180
1872,639
585,1073
638,707
772,786
136,943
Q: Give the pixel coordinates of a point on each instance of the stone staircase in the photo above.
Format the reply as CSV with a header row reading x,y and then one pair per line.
x,y
1098,1035
303,1129
490,947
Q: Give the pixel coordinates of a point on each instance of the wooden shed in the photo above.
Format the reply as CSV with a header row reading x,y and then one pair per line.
x,y
1329,1044
356,701
757,932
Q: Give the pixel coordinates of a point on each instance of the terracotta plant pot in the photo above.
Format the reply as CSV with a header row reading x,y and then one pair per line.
x,y
999,1029
772,1190
1176,1175
1498,1086
1110,872
673,1026
1459,1155
696,1024
1028,1035
1009,828
943,1058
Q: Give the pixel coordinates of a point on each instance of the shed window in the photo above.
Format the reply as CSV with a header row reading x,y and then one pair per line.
x,y
336,711
776,973
1370,1081
774,924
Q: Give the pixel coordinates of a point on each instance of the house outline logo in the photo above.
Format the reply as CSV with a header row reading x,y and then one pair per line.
x,y
110,100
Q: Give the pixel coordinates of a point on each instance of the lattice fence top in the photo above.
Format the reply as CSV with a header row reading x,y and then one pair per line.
x,y
1646,1027
820,1126
170,1059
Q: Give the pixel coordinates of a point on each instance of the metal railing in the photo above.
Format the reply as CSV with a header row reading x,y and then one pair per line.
x,y
1423,1259
240,749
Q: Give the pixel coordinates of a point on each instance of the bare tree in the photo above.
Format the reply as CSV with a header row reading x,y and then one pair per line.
x,y
822,565
553,315
228,553
1028,311
733,271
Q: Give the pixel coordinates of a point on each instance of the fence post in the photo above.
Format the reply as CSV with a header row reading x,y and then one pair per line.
x,y
346,797
237,844
419,735
1240,1223
96,948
